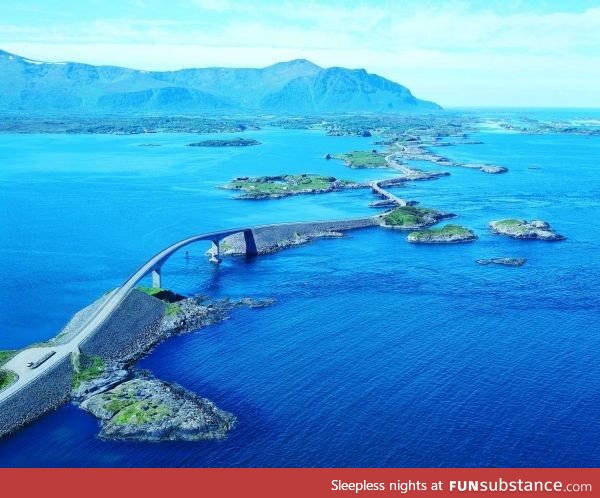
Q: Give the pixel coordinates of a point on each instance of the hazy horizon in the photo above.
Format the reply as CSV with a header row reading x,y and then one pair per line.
x,y
458,54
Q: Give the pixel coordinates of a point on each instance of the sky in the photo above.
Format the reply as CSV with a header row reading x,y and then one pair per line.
x,y
515,53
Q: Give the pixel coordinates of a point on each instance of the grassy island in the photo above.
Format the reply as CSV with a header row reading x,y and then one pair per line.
x,y
363,159
146,409
231,142
274,187
413,217
445,235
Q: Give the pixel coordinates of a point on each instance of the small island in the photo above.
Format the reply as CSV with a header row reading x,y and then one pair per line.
x,y
131,404
230,142
147,409
276,187
502,261
363,159
522,229
412,217
486,168
449,234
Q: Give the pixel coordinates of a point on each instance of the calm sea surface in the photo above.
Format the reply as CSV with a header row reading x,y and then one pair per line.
x,y
377,352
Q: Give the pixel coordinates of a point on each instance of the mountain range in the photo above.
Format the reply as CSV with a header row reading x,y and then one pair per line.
x,y
294,87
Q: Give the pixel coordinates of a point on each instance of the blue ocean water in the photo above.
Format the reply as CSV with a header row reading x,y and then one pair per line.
x,y
377,352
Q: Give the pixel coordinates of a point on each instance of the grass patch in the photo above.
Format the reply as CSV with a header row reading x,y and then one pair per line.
x,y
172,309
513,225
143,412
167,296
151,291
6,355
7,378
87,368
408,216
363,159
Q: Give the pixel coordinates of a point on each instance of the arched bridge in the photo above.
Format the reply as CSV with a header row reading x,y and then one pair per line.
x,y
21,362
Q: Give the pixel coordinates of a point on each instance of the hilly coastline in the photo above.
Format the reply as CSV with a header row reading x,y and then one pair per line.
x,y
297,86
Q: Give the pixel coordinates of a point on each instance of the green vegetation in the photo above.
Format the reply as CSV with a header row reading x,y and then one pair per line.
x,y
6,355
448,233
127,407
143,412
170,298
410,216
363,159
279,186
232,142
87,368
513,225
224,246
172,309
151,291
7,378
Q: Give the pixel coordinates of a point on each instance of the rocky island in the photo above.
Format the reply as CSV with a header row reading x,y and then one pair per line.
x,y
231,142
502,261
486,168
449,234
276,187
147,409
132,405
521,229
412,217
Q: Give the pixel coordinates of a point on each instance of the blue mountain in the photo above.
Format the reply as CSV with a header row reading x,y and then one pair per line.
x,y
294,87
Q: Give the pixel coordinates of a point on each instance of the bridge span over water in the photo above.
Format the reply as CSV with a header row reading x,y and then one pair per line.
x,y
19,363
248,241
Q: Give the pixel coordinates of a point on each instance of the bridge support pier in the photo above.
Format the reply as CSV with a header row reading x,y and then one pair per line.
x,y
156,278
214,252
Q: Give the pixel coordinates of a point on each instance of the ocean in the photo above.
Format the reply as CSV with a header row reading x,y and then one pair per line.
x,y
377,353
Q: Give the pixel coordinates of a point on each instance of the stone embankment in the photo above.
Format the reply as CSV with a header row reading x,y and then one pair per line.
x,y
274,238
39,396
